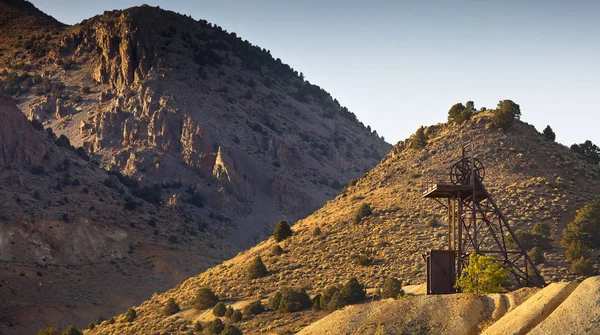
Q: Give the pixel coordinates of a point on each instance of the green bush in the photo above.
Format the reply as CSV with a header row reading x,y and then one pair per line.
x,y
257,268
537,255
253,308
215,327
236,316
363,211
288,300
276,250
71,330
328,296
585,227
48,331
282,231
419,139
231,330
484,275
365,258
171,307
576,250
353,292
392,288
583,266
219,309
131,315
336,302
505,114
229,312
458,113
316,302
205,298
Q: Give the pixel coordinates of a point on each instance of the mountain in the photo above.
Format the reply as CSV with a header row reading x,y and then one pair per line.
x,y
75,242
209,141
533,180
160,97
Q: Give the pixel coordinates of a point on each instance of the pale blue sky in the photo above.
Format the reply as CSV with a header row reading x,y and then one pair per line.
x,y
400,64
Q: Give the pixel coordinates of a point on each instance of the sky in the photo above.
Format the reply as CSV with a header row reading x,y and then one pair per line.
x,y
402,64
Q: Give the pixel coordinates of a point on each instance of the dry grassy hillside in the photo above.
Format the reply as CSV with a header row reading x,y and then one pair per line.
x,y
532,179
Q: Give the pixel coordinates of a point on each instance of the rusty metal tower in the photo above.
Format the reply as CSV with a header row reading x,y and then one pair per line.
x,y
475,225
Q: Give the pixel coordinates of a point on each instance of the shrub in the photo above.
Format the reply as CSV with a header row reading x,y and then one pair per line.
x,y
215,327
542,229
419,139
458,113
576,250
71,330
583,266
336,302
353,292
131,315
364,258
229,312
85,90
549,134
177,183
484,275
363,211
236,316
585,227
316,302
205,298
282,231
316,232
253,308
392,288
231,330
276,250
197,326
505,114
48,331
171,307
537,255
219,309
288,300
589,150
257,268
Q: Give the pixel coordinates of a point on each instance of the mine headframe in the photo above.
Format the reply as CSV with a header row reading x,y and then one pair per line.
x,y
475,225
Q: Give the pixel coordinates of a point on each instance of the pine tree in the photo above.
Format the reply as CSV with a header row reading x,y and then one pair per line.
x,y
549,133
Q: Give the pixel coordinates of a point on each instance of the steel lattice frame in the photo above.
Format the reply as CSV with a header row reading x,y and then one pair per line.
x,y
476,225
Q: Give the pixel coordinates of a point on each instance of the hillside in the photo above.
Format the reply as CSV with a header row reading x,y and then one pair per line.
x,y
161,97
531,178
75,243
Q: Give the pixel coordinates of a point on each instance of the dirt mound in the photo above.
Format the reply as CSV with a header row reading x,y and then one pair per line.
x,y
578,314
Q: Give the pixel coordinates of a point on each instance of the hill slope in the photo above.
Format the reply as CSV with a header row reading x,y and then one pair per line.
x,y
532,179
75,243
161,97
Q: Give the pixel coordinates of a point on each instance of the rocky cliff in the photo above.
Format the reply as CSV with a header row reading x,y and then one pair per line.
x,y
161,97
